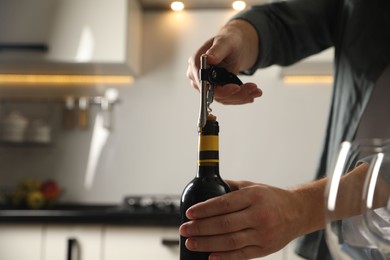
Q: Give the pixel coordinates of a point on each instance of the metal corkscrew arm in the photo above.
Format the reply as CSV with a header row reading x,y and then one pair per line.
x,y
210,76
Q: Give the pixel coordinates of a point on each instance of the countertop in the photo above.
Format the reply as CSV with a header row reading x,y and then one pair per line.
x,y
96,214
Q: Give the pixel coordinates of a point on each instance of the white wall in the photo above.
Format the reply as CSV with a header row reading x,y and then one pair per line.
x,y
152,149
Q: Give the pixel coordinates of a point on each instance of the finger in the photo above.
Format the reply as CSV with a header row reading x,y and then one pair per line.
x,y
233,96
216,225
192,73
221,92
237,185
242,101
233,185
229,90
224,204
194,64
227,242
240,98
193,78
219,52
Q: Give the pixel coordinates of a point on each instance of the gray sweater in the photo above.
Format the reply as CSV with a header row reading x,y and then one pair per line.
x,y
360,32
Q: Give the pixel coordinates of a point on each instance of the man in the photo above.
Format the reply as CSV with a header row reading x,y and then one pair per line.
x,y
256,219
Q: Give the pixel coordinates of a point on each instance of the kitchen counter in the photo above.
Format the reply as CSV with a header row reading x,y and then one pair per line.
x,y
97,214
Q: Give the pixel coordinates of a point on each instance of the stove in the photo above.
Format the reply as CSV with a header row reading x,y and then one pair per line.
x,y
153,210
152,203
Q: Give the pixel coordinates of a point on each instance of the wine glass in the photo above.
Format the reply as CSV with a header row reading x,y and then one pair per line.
x,y
346,232
376,198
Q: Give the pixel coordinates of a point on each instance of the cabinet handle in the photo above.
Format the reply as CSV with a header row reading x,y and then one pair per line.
x,y
170,242
73,251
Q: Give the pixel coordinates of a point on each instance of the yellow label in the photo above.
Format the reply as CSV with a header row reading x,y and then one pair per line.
x,y
208,143
208,162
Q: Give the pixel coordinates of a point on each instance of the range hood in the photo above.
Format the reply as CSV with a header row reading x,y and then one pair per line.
x,y
316,69
82,41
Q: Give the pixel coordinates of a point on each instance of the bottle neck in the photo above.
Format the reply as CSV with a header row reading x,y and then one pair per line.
x,y
208,150
211,170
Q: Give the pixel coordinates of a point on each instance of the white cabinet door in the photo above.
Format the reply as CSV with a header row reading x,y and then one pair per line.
x,y
20,242
101,31
81,241
126,243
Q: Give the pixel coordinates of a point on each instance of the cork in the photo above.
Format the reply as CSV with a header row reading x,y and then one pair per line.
x,y
211,117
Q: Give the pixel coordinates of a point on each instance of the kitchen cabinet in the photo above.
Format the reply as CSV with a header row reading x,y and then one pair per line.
x,y
93,31
88,242
70,32
21,241
123,243
97,242
50,242
64,242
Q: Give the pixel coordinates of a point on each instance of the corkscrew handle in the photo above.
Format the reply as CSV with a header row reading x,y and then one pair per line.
x,y
209,77
204,85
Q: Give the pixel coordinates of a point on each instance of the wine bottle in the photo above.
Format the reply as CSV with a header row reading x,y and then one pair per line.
x,y
207,182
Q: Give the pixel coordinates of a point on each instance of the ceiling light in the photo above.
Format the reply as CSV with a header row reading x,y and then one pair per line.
x,y
239,5
177,6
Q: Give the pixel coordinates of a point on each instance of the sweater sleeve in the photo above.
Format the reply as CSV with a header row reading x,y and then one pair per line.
x,y
291,30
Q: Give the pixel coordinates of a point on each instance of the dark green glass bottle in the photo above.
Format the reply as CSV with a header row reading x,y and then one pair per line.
x,y
207,182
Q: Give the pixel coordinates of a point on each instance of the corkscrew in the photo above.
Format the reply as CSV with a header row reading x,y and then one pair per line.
x,y
210,76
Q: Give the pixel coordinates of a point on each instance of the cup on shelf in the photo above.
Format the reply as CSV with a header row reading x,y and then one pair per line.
x,y
39,132
14,127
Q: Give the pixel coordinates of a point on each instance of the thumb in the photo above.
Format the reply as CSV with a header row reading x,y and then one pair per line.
x,y
238,185
217,52
234,185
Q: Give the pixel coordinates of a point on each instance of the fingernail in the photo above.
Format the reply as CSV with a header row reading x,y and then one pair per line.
x,y
214,257
188,229
190,214
255,93
191,243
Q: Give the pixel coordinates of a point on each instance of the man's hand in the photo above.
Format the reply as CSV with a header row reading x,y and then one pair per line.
x,y
254,220
235,48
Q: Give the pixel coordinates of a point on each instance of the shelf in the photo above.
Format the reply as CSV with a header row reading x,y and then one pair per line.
x,y
24,144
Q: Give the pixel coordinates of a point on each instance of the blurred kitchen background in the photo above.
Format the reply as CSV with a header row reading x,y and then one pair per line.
x,y
152,144
133,129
